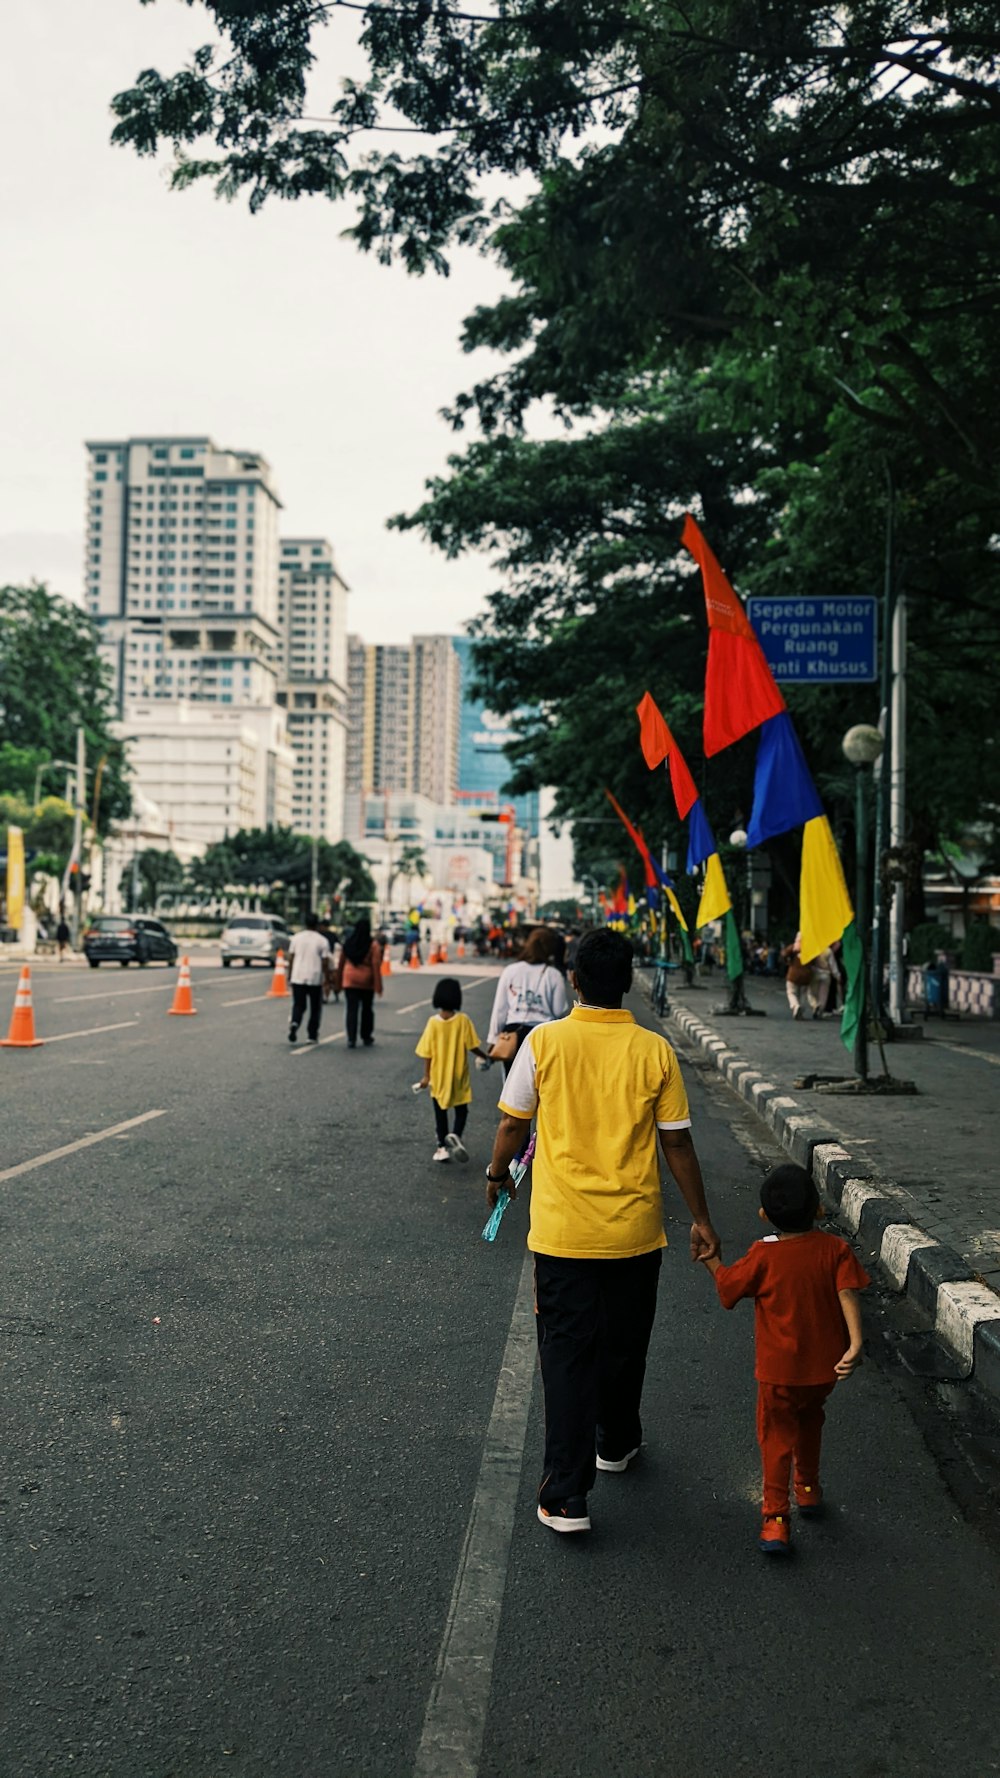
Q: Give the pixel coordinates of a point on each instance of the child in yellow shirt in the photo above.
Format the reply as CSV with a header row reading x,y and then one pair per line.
x,y
448,1038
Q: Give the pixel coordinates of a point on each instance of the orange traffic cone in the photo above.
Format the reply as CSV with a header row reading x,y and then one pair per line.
x,y
183,1002
414,959
279,982
21,1035
386,963
461,949
443,953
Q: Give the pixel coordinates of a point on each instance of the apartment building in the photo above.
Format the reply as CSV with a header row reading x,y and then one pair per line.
x,y
181,571
403,712
313,688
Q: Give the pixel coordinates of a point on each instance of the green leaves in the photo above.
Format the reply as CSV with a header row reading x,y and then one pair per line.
x,y
52,681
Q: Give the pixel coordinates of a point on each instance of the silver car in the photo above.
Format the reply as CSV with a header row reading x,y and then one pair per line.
x,y
254,938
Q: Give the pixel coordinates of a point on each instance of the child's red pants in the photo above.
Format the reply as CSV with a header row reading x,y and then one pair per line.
x,y
789,1429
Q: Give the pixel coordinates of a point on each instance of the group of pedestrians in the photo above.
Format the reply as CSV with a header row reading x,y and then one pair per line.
x,y
318,968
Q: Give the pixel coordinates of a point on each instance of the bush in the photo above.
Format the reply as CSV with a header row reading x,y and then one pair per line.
x,y
924,942
979,945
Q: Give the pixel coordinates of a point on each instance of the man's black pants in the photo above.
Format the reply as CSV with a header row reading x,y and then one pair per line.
x,y
301,993
594,1319
360,1000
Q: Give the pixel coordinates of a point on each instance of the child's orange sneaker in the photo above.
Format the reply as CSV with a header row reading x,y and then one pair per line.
x,y
775,1537
809,1501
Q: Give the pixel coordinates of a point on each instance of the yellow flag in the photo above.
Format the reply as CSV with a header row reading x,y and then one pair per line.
x,y
714,895
15,878
825,909
675,904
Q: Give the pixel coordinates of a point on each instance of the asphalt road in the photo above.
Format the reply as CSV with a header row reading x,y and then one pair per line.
x,y
253,1347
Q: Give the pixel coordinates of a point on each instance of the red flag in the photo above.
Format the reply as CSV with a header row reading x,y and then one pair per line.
x,y
654,736
740,692
658,744
619,902
636,836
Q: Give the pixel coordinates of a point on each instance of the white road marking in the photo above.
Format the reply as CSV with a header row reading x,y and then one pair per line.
x,y
965,1049
114,993
56,1154
413,1004
337,1037
248,999
452,1739
94,1031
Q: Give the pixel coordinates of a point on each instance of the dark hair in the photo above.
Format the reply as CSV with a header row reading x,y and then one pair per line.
x,y
448,995
603,967
312,921
540,946
789,1199
358,945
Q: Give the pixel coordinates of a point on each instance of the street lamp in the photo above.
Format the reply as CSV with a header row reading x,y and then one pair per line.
x,y
738,838
862,746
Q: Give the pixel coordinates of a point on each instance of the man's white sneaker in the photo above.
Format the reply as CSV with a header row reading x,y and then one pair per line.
x,y
456,1147
442,1154
615,1465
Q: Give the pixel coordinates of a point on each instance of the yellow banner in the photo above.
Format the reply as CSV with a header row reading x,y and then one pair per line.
x,y
714,895
15,878
825,909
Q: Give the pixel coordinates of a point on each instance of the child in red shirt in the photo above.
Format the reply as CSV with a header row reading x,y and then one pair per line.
x,y
804,1283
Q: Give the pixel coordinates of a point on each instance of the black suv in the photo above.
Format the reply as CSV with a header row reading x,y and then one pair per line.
x,y
119,938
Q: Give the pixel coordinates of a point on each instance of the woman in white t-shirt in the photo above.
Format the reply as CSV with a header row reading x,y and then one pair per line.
x,y
529,992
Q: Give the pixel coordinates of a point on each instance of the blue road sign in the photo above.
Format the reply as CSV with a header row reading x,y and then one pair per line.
x,y
818,641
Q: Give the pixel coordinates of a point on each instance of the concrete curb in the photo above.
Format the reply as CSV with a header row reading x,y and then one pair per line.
x,y
965,1312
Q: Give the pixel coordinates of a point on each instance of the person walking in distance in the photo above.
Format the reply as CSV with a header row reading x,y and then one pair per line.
x,y
63,936
309,960
603,1089
528,992
360,974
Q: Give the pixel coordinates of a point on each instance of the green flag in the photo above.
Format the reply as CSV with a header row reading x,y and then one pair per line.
x,y
853,953
734,949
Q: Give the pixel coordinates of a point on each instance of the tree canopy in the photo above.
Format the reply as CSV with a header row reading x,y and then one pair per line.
x,y
52,681
275,860
752,255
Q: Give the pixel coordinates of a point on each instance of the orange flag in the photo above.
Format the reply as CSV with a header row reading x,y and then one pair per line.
x,y
658,744
740,692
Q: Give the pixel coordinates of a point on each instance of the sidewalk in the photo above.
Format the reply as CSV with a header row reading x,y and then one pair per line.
x,y
917,1175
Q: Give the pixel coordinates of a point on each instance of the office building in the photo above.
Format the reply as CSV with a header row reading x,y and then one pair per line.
x,y
181,572
483,763
211,769
313,688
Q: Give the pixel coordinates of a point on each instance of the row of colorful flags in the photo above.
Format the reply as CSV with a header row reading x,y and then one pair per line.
x,y
741,695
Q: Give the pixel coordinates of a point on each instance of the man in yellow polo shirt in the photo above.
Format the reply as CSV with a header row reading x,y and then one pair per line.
x,y
603,1090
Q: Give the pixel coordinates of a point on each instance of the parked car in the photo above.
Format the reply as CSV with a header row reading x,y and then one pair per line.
x,y
254,938
125,939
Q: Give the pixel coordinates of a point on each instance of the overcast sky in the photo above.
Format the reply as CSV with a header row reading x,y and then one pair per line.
x,y
125,309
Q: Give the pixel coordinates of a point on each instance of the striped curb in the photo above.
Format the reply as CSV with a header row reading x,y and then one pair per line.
x,y
964,1312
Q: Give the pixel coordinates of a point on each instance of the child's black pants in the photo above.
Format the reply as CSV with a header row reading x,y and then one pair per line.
x,y
594,1319
441,1120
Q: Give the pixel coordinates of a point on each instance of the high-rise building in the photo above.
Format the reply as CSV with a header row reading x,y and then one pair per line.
x,y
483,763
380,712
436,706
312,619
403,713
181,571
